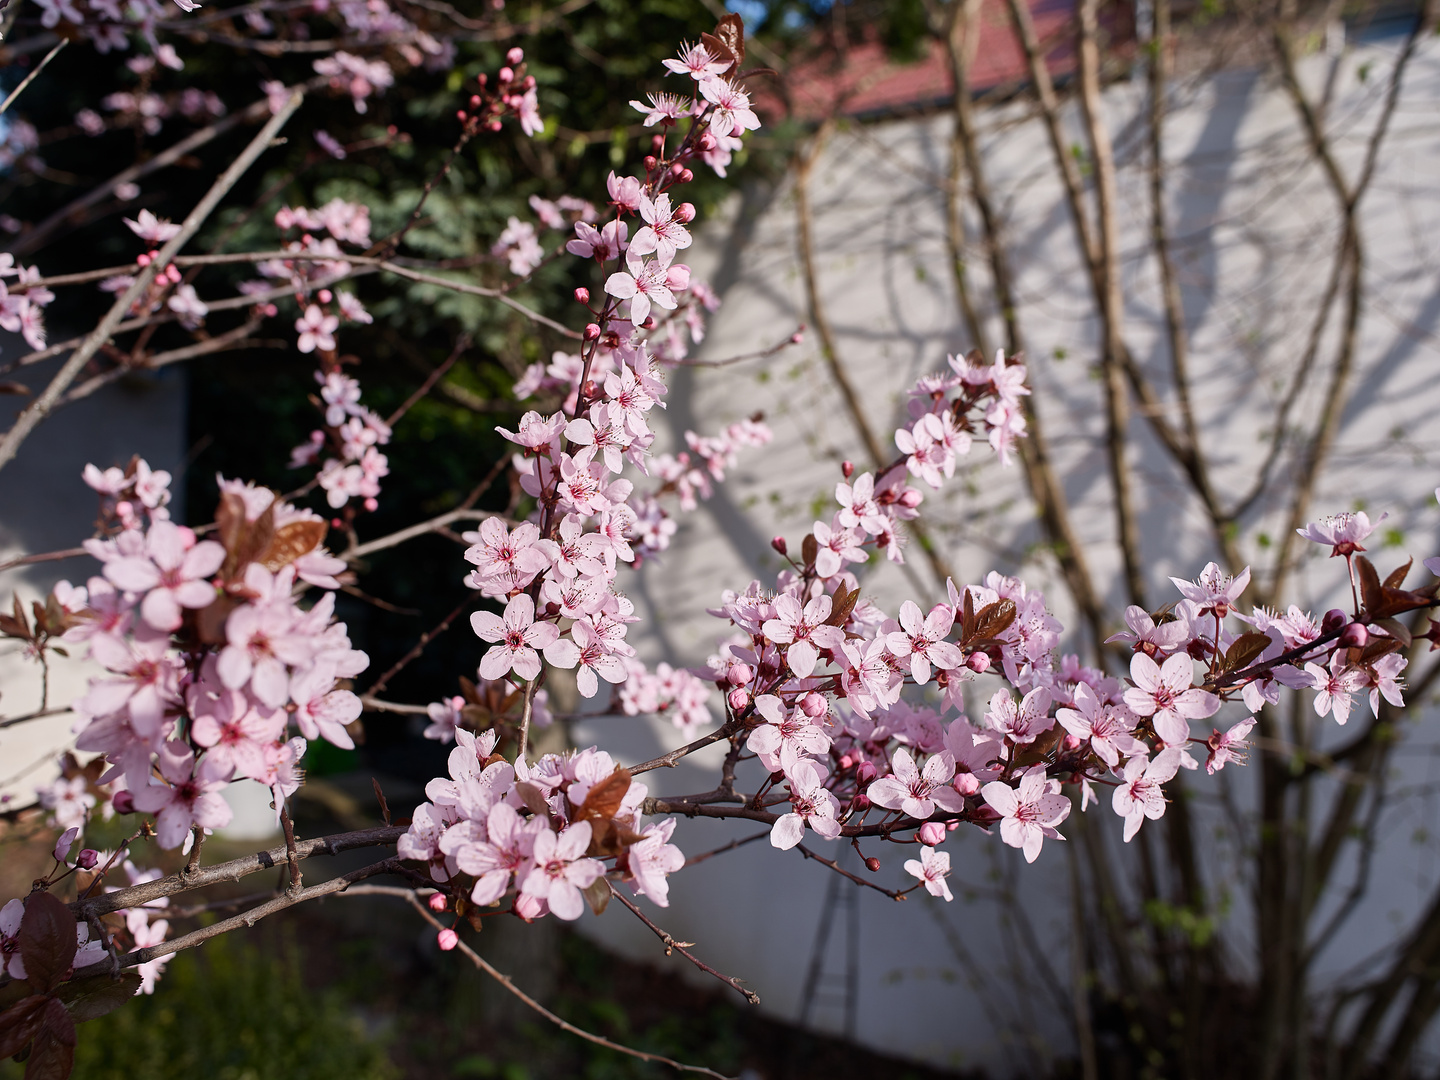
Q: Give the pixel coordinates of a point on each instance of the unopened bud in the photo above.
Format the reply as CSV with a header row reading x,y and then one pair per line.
x,y
143,260
447,939
88,858
461,115
1072,742
657,143
481,78
649,323
515,55
494,125
814,705
372,504
741,674
685,176
529,82
978,662
505,75
739,699
872,864
582,295
325,296
860,802
797,337
865,772
848,468
650,162
1354,637
592,331
778,543
437,901
474,101
676,169
123,802
911,498
707,142
1334,620
685,213
932,833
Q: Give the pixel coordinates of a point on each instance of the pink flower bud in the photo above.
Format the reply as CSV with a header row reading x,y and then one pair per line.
x,y
865,772
592,331
505,75
481,78
778,543
325,296
814,705
685,213
371,504
911,498
657,143
474,101
529,82
187,536
649,323
437,902
872,864
677,278
685,177
123,802
1354,637
447,939
978,662
1072,742
707,142
461,115
741,674
738,698
848,468
1334,620
932,833
143,260
676,169
861,802
650,162
796,338
515,55
88,858
582,295
847,761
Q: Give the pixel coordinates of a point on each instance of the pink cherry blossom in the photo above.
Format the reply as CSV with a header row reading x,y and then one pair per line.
x,y
1214,590
645,283
1343,532
1022,723
933,867
786,736
651,859
518,634
923,640
1165,694
170,574
811,804
1227,747
561,870
316,330
803,631
601,244
697,62
1030,813
1106,726
1334,686
191,797
916,792
508,558
1141,796
1146,636
732,114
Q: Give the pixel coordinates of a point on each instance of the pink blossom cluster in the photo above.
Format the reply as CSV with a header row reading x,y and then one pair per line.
x,y
22,300
352,433
540,833
209,656
107,23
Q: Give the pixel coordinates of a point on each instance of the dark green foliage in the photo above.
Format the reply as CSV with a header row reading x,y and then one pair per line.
x,y
229,1012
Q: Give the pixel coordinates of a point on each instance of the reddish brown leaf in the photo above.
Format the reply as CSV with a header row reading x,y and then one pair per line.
x,y
1397,576
533,798
597,895
1244,650
53,1054
19,1023
1397,630
809,548
842,604
94,997
991,621
14,388
47,940
380,798
292,541
1369,584
603,801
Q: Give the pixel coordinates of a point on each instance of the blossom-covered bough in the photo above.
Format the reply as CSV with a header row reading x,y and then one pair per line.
x,y
840,718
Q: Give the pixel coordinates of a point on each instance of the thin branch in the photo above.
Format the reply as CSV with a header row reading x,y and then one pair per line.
x,y
379,685
31,77
564,1025
238,338
235,869
435,376
682,947
48,556
670,760
42,406
694,860
423,528
893,894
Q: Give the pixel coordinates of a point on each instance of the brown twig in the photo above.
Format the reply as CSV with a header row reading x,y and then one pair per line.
x,y
893,894
461,344
505,981
683,947
430,635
